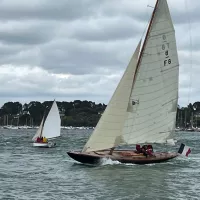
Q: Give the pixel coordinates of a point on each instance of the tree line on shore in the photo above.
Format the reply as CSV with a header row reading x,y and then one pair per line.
x,y
188,116
78,113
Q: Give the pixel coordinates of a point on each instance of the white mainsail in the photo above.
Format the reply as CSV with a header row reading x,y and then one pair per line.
x,y
156,84
39,131
109,129
144,109
52,124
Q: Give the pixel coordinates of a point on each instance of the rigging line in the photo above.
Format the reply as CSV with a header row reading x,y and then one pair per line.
x,y
148,15
191,55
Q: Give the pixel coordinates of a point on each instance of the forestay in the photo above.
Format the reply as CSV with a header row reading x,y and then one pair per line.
x,y
108,132
155,89
52,123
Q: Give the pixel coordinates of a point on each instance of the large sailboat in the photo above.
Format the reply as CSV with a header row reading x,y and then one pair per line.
x,y
143,107
49,128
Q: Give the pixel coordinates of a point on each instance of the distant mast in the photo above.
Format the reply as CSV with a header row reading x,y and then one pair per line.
x,y
145,40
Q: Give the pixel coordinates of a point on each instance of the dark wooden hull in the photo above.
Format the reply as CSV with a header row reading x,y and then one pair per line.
x,y
123,156
86,159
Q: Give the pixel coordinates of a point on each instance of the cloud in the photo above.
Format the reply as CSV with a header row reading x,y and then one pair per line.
x,y
106,29
47,9
32,83
29,33
79,49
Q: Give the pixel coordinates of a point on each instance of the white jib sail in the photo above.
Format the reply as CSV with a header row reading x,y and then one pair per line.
x,y
109,128
156,85
52,123
39,131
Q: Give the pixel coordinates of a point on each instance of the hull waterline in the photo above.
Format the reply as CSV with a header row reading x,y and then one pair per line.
x,y
123,156
44,145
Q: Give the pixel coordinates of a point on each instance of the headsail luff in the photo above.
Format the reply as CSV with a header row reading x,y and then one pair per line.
x,y
108,131
155,87
39,131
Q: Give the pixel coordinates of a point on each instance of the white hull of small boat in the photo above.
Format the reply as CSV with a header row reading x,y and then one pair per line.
x,y
44,145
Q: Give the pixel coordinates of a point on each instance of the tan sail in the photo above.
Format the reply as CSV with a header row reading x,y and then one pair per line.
x,y
108,131
143,107
155,87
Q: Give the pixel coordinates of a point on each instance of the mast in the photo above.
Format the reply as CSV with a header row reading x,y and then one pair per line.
x,y
155,83
43,120
30,121
192,121
18,121
140,55
155,87
185,118
196,120
42,126
181,118
145,41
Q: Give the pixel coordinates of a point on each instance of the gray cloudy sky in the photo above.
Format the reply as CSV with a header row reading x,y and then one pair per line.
x,y
78,49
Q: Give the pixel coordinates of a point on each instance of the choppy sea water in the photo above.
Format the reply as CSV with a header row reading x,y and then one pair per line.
x,y
28,173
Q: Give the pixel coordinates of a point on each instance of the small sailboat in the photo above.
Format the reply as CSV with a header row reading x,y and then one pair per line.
x,y
143,107
49,128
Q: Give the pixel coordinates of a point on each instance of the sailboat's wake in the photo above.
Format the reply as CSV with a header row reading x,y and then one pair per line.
x,y
108,161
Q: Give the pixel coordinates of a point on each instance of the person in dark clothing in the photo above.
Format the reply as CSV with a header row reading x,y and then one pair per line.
x,y
38,139
144,147
150,147
144,150
149,150
138,149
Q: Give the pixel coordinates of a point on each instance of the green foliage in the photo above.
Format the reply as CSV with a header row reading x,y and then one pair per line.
x,y
77,113
185,115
